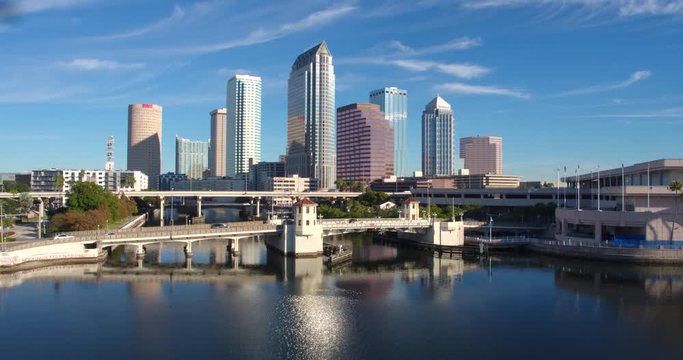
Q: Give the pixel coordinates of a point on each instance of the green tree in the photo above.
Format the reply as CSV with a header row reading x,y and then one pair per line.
x,y
128,181
86,196
676,187
58,182
15,187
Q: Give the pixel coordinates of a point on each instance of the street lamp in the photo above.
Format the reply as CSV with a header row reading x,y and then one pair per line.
x,y
171,214
490,228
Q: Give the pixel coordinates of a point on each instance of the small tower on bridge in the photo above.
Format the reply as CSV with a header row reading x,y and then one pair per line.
x,y
306,218
411,209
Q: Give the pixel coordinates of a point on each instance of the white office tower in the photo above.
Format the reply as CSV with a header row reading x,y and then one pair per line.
x,y
244,123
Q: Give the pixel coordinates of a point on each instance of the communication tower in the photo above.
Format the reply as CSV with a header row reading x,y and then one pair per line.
x,y
110,154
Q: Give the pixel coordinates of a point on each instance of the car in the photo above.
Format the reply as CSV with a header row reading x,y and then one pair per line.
x,y
218,225
62,237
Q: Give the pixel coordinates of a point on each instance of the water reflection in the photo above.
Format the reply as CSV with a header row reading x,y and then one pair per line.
x,y
388,302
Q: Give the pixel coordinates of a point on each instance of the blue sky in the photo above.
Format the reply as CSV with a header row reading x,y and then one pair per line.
x,y
563,82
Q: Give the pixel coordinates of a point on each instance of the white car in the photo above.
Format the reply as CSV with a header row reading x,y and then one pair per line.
x,y
62,237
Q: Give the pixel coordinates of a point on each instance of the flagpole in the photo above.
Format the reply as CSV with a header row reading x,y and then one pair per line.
x,y
565,188
578,189
557,199
648,186
623,189
599,188
591,190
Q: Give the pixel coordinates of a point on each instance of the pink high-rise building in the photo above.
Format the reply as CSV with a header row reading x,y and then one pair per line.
x,y
482,154
365,143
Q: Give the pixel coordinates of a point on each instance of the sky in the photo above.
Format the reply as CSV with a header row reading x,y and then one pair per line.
x,y
566,83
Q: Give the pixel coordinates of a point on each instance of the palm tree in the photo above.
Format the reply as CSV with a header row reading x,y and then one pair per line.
x,y
676,187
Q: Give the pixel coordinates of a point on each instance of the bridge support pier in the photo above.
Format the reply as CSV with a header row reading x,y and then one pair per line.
x,y
258,207
199,206
161,211
235,247
188,250
41,210
140,252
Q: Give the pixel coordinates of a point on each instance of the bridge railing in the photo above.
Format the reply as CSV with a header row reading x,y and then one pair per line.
x,y
381,223
166,232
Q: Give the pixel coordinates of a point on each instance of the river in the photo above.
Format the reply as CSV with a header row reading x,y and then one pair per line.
x,y
389,303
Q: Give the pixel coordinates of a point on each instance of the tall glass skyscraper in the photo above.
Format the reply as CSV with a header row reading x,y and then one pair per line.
x,y
244,123
394,103
191,157
311,150
437,139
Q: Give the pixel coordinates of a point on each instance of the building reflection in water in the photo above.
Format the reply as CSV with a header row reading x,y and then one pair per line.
x,y
649,295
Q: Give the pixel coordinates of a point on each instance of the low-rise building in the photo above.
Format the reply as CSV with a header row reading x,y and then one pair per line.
x,y
212,184
48,180
631,204
168,180
292,183
486,181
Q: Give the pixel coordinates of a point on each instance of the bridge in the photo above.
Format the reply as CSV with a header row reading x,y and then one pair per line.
x,y
300,237
198,194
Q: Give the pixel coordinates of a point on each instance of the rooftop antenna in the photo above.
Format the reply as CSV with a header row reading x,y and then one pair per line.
x,y
110,154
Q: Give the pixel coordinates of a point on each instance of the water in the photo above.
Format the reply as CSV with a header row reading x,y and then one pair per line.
x,y
389,303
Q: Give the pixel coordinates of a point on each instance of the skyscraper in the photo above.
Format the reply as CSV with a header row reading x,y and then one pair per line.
x,y
437,138
144,140
394,103
191,157
310,117
244,123
365,143
482,154
218,146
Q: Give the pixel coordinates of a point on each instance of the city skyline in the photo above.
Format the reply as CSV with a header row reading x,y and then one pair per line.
x,y
572,104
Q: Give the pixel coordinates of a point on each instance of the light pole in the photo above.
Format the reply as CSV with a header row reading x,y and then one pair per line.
x,y
490,228
2,228
171,215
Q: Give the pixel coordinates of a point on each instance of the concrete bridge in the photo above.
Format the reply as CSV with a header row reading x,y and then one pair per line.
x,y
255,196
300,237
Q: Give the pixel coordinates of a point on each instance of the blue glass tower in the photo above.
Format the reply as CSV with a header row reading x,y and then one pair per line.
x,y
437,139
394,103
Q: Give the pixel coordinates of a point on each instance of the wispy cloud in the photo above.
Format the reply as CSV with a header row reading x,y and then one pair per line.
x,y
621,8
398,48
35,95
177,14
263,35
85,64
470,89
465,71
21,7
396,53
634,78
233,71
665,113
